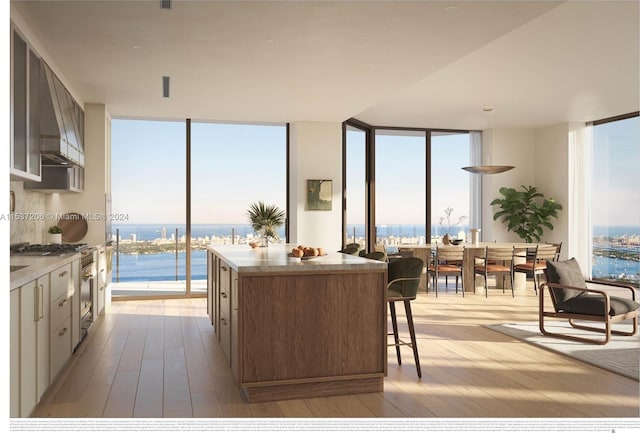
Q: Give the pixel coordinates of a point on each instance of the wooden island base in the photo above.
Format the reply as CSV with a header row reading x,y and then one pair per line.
x,y
294,329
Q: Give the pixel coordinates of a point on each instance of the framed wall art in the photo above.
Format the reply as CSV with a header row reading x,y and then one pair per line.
x,y
319,194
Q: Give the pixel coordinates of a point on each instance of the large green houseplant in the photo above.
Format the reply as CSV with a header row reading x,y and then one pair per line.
x,y
526,212
265,220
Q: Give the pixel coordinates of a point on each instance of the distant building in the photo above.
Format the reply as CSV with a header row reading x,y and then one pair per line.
x,y
134,237
164,233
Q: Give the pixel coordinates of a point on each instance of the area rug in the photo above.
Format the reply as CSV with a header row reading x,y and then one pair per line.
x,y
620,355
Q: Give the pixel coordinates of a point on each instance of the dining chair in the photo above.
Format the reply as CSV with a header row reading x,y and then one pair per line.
x,y
496,261
403,281
446,261
536,262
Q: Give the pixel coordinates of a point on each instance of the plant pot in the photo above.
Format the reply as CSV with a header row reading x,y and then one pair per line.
x,y
55,238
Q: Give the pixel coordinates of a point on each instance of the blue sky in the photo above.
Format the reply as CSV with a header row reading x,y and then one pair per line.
x,y
229,162
616,173
148,163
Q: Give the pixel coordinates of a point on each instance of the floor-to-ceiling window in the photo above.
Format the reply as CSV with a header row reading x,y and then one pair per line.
x,y
233,166
615,206
400,187
355,186
450,185
148,190
407,184
164,195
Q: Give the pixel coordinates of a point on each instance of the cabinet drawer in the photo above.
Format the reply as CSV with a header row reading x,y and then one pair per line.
x,y
225,337
225,289
60,346
61,283
60,310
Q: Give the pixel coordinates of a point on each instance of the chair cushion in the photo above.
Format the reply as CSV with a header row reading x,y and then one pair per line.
x,y
493,269
568,273
529,266
445,268
594,305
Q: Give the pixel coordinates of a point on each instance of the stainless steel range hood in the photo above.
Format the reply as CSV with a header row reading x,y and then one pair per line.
x,y
61,124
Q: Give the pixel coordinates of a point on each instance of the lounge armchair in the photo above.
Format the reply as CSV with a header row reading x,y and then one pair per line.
x,y
573,300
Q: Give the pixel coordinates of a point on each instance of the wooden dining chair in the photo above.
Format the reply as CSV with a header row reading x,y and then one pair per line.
x,y
446,261
536,262
498,262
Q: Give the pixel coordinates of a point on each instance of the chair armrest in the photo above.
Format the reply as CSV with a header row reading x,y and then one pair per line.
x,y
402,279
616,285
603,293
563,286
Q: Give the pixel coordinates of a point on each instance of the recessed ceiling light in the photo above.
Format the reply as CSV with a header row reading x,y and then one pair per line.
x,y
487,109
165,86
451,8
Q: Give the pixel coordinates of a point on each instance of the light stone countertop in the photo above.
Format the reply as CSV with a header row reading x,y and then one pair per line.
x,y
275,258
36,266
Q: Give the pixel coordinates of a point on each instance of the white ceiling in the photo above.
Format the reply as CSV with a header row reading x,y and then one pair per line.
x,y
416,63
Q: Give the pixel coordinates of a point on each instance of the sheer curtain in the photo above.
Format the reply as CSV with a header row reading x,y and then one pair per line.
x,y
580,163
475,158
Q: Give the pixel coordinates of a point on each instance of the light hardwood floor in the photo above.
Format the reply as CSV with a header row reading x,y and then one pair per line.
x,y
160,358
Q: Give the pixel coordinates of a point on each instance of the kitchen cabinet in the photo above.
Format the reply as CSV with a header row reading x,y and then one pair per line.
x,y
25,111
14,353
29,341
62,291
224,273
76,268
212,290
103,258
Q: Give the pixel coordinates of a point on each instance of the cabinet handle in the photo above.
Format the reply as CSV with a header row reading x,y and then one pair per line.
x,y
224,268
223,321
101,287
101,252
41,301
61,333
64,301
223,294
36,304
62,274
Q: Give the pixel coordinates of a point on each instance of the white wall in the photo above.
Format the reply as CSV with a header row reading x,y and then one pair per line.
x,y
552,168
315,153
505,147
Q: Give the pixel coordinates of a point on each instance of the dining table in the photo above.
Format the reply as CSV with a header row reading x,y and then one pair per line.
x,y
471,252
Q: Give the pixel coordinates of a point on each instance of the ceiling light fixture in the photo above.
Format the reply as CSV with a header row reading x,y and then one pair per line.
x,y
488,168
165,86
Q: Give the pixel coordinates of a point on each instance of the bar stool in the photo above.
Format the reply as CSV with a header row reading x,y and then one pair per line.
x,y
404,278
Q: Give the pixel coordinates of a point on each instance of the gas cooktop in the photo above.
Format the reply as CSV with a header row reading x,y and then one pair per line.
x,y
47,249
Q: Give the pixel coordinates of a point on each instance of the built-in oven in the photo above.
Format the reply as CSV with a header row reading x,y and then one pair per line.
x,y
88,276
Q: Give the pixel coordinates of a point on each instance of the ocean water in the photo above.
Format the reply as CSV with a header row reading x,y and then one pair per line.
x,y
162,267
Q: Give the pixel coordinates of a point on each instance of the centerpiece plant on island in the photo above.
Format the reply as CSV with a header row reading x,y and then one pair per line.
x,y
526,212
265,220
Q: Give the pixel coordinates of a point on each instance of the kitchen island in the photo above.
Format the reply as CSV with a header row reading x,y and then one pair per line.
x,y
296,328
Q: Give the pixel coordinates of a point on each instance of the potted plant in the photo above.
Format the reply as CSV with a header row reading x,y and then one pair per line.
x,y
526,212
265,220
56,234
